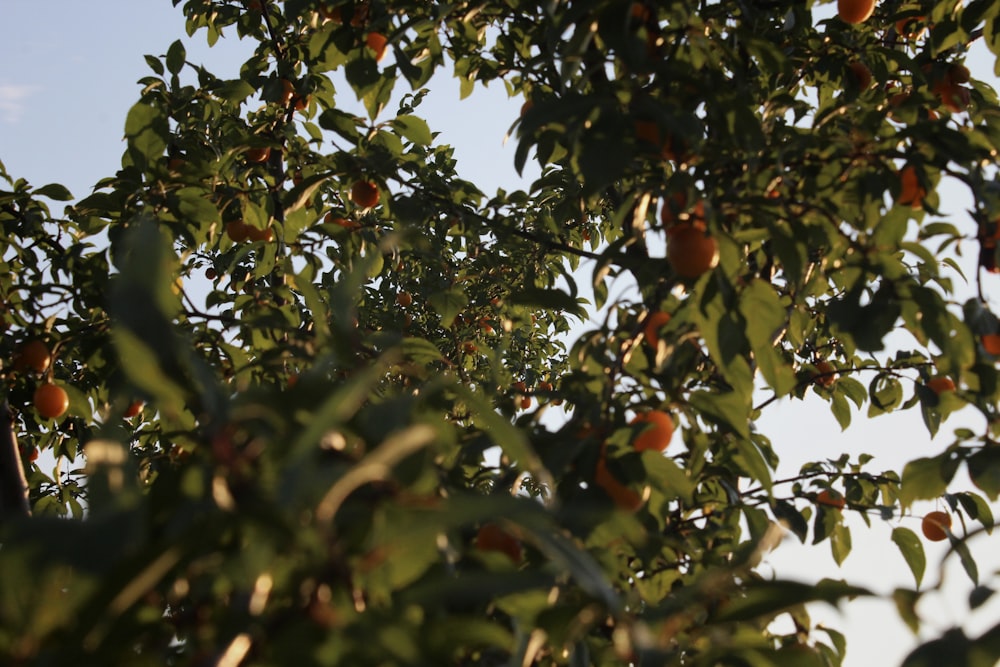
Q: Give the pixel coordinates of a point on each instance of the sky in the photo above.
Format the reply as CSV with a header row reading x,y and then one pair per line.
x,y
70,76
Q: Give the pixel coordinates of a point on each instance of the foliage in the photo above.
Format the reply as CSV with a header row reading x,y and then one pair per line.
x,y
365,387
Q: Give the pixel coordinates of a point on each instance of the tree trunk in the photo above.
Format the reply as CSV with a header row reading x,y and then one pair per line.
x,y
13,484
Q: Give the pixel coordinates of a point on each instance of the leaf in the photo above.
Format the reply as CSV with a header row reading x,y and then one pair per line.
x,y
984,470
765,599
54,191
791,518
548,298
448,304
728,410
913,551
766,318
414,129
147,132
926,478
950,649
234,90
965,557
906,604
176,55
420,350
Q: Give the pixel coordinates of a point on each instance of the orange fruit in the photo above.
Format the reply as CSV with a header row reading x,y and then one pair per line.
x,y
991,343
290,97
955,97
941,384
911,192
676,205
935,526
211,273
404,299
691,250
657,432
134,409
175,164
525,402
33,355
377,42
830,499
359,12
51,400
526,107
862,75
911,27
519,387
827,375
238,231
29,452
258,155
652,326
959,73
469,347
855,11
623,497
364,194
346,223
492,537
257,234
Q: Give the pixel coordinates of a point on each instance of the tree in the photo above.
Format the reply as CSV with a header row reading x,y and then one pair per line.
x,y
320,409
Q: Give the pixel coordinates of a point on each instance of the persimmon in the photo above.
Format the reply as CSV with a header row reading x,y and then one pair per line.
x,y
955,97
651,329
691,250
289,97
526,107
959,73
51,400
657,432
652,139
525,402
33,355
911,192
377,42
862,75
855,11
258,155
28,453
826,374
676,206
622,496
238,231
991,343
935,526
911,27
211,273
492,537
134,409
830,499
332,219
257,234
941,384
364,194
358,12
404,299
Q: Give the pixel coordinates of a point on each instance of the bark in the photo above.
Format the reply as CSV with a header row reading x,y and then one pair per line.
x,y
13,484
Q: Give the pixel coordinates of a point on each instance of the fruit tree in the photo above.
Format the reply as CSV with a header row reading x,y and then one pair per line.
x,y
315,398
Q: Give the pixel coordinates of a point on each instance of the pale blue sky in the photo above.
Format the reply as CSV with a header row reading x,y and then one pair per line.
x,y
70,76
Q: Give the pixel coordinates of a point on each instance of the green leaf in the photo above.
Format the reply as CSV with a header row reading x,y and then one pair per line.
x,y
906,604
728,410
765,599
234,90
913,551
176,56
414,129
984,470
548,298
54,191
950,649
927,478
448,304
147,132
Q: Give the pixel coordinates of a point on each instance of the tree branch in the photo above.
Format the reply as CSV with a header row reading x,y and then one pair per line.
x,y
13,484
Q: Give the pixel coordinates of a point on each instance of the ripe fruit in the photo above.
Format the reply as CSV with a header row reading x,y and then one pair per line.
x,y
953,96
827,375
340,221
958,73
377,43
258,234
691,250
855,11
935,526
211,273
862,75
290,97
911,27
830,499
622,496
492,537
29,453
525,402
404,299
526,107
134,409
656,434
991,343
364,194
651,329
238,231
258,155
33,355
911,192
51,400
941,384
